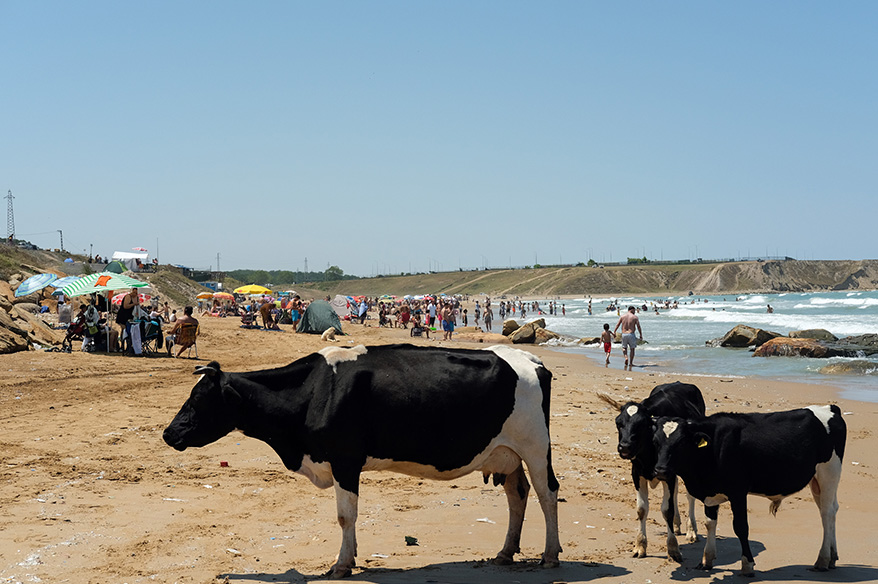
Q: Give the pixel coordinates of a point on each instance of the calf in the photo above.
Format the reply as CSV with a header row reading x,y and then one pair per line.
x,y
726,456
423,411
635,426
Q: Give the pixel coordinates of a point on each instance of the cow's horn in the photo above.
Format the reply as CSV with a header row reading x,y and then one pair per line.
x,y
210,369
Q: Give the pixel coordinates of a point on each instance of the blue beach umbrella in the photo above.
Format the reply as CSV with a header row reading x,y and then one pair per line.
x,y
34,283
61,282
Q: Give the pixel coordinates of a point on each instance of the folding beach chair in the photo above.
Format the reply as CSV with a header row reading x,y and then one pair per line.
x,y
187,336
151,337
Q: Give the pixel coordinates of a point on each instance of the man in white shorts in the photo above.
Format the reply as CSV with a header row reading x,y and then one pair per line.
x,y
629,322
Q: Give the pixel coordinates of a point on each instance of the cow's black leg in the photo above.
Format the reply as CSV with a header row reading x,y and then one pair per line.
x,y
711,513
742,530
669,510
517,489
346,499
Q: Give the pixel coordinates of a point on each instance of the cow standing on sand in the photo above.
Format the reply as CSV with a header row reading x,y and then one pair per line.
x,y
635,426
427,412
725,457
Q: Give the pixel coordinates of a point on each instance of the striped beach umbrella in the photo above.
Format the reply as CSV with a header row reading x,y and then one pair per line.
x,y
34,283
101,282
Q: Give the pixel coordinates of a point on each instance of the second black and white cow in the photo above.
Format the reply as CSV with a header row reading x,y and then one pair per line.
x,y
427,412
727,456
635,426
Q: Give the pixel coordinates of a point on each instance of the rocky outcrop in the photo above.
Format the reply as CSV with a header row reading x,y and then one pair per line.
x,y
859,345
20,325
589,340
509,327
526,334
543,336
787,347
816,334
859,367
744,336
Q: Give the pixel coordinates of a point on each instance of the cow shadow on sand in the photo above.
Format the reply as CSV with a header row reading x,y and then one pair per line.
x,y
727,567
451,573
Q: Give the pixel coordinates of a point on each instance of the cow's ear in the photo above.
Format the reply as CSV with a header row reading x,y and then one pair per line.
x,y
211,369
230,395
701,440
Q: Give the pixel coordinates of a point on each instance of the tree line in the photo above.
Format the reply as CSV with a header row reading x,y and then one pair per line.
x,y
330,274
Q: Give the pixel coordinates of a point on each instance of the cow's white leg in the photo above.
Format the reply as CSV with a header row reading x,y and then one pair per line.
x,y
710,545
642,513
346,503
517,489
824,488
546,486
672,518
677,521
691,528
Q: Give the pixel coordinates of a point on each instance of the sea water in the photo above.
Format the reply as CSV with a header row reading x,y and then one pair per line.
x,y
676,337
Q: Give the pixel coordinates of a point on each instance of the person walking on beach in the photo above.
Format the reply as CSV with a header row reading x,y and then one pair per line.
x,y
488,317
629,322
607,340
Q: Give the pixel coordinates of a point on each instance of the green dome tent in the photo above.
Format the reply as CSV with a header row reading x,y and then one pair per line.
x,y
116,267
318,317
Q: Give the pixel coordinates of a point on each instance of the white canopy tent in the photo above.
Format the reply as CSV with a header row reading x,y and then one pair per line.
x,y
130,258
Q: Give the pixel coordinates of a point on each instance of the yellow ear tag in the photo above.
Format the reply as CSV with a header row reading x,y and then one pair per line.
x,y
702,443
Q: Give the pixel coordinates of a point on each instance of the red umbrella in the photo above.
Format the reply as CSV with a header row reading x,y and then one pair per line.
x,y
117,299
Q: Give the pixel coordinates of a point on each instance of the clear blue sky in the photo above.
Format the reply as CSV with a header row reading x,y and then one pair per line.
x,y
384,137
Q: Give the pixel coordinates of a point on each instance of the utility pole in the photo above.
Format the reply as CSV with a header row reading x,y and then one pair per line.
x,y
61,233
217,263
306,265
10,218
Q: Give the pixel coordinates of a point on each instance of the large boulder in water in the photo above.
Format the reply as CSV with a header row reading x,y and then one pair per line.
x,y
787,347
744,336
858,367
859,344
542,335
817,334
524,335
510,326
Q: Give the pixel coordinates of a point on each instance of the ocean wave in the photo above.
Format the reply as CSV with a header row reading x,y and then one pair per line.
x,y
855,302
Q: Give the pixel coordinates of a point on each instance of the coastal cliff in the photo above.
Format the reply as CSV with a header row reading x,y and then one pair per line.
x,y
728,278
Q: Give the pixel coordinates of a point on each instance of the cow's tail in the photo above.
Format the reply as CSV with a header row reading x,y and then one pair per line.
x,y
545,377
838,431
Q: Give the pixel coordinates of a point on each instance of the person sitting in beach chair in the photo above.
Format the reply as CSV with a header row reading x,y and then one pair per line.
x,y
184,333
417,329
248,319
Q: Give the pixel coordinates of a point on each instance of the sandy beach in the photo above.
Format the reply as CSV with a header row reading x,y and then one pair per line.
x,y
91,494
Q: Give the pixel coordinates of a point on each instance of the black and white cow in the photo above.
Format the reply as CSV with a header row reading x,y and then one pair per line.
x,y
635,425
427,412
726,456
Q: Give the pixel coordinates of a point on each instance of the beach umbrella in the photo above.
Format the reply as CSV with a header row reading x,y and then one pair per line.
x,y
101,282
252,289
139,249
224,296
61,282
205,296
117,299
34,283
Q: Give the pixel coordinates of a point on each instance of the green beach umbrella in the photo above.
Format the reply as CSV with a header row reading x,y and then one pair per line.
x,y
101,282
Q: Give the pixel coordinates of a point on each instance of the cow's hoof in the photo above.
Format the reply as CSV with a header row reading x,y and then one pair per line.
x,y
502,560
336,573
704,566
550,563
639,552
675,556
691,537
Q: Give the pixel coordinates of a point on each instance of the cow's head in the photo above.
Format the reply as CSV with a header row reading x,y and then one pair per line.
x,y
634,425
679,445
208,414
